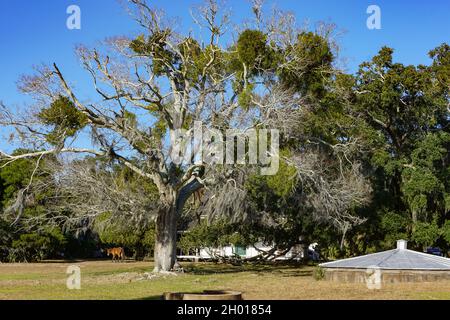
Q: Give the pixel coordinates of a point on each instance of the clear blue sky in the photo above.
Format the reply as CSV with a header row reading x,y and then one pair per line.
x,y
34,31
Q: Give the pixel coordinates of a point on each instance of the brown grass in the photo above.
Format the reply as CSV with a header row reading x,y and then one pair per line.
x,y
107,280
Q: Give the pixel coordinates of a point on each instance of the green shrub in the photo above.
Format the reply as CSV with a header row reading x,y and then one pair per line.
x,y
426,234
37,246
318,273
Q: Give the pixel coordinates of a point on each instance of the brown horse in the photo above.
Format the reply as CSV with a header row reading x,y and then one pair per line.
x,y
117,253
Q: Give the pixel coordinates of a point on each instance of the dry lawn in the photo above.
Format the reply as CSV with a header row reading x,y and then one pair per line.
x,y
107,280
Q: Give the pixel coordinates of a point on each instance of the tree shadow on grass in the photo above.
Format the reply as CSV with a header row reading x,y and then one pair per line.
x,y
297,273
222,268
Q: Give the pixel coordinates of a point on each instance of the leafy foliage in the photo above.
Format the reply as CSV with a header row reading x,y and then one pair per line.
x,y
309,65
426,234
139,239
65,119
37,246
393,120
214,235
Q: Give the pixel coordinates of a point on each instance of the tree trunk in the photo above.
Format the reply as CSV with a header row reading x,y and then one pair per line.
x,y
414,217
305,248
166,239
344,232
166,227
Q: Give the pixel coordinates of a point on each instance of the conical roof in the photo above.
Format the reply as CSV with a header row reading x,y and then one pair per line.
x,y
400,258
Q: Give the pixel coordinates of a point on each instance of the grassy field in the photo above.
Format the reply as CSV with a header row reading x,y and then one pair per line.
x,y
107,280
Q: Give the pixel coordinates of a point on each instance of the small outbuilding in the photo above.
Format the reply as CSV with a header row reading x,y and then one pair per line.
x,y
397,265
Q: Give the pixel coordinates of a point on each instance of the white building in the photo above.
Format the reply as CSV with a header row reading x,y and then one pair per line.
x,y
296,253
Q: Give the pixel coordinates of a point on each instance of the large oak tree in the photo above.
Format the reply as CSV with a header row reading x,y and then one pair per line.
x,y
268,74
